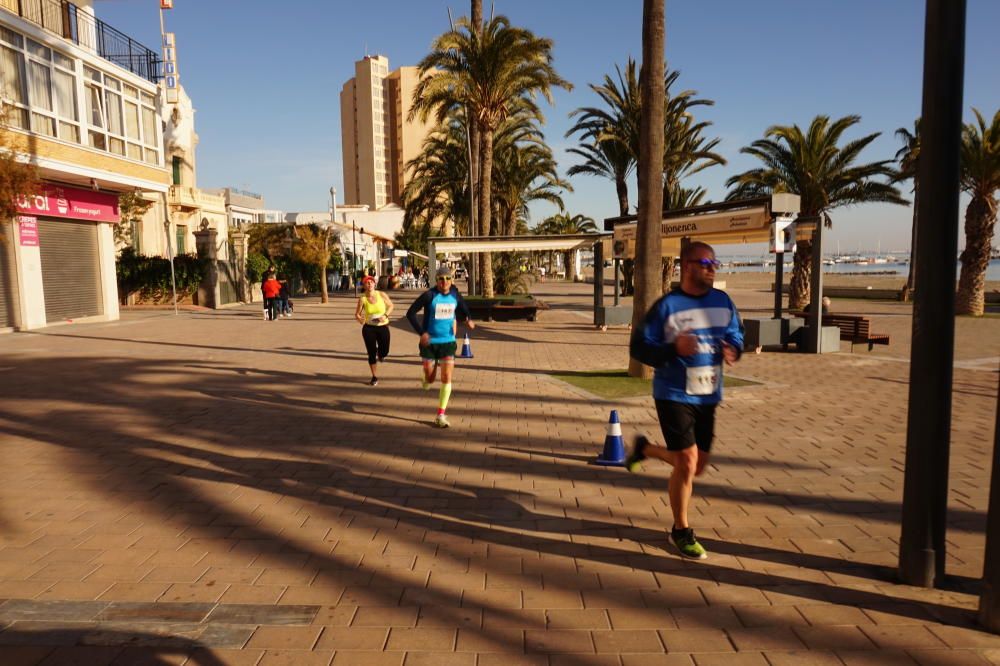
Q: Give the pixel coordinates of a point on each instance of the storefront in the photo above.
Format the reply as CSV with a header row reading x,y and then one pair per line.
x,y
62,260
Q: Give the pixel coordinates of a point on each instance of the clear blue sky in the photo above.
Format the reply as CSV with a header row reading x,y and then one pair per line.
x,y
265,79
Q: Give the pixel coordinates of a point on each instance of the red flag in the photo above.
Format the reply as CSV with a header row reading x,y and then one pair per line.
x,y
166,4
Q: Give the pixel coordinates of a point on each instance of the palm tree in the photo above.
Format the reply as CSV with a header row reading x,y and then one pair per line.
x,y
822,173
981,180
524,171
604,152
438,186
908,157
565,224
648,262
484,71
610,138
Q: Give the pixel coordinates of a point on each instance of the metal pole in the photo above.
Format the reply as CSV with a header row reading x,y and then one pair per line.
x,y
617,263
928,428
170,250
779,277
354,259
989,599
600,318
816,290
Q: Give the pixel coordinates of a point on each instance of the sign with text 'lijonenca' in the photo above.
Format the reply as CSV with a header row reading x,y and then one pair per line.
x,y
70,202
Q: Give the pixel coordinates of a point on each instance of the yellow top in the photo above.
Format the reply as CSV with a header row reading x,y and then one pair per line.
x,y
374,312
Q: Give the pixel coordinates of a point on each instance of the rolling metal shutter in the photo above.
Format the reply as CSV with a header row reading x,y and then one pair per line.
x,y
71,275
8,287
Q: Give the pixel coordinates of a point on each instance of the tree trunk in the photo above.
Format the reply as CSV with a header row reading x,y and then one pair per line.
x,y
486,206
668,273
650,169
980,218
798,287
911,276
628,277
570,259
621,187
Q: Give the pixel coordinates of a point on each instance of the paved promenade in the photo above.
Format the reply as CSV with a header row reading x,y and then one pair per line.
x,y
210,488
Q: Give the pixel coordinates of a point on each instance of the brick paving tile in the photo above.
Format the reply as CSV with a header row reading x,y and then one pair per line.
x,y
735,659
589,660
296,657
518,618
193,592
226,635
285,638
641,618
764,638
802,658
713,617
351,658
626,640
352,638
421,639
445,616
958,657
439,659
558,641
829,614
505,639
252,594
217,657
769,616
696,640
135,592
23,656
577,619
875,658
81,656
152,656
391,616
834,637
505,659
902,636
958,637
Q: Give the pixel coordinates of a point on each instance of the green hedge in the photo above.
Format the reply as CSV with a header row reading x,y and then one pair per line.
x,y
149,277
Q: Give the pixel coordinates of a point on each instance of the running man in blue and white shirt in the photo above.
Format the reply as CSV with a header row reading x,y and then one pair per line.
x,y
686,336
442,306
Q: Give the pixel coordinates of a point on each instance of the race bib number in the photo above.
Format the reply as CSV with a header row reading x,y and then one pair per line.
x,y
703,380
444,311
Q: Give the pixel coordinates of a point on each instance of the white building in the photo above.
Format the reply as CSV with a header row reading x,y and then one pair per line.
x,y
90,120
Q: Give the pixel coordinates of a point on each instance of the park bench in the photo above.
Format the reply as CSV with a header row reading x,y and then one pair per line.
x,y
855,328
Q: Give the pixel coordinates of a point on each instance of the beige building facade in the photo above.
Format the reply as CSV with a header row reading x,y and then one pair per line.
x,y
377,138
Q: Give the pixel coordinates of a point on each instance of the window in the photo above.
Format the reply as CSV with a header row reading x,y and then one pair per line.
x,y
12,85
181,239
177,170
121,119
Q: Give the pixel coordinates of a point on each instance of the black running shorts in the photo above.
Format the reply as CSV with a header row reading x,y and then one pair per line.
x,y
439,351
684,425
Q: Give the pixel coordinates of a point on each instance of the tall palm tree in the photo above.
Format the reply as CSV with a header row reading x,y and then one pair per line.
x,y
565,224
610,138
821,172
484,70
604,151
648,263
980,179
908,158
438,186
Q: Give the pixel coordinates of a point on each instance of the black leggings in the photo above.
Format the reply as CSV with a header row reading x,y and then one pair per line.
x,y
376,342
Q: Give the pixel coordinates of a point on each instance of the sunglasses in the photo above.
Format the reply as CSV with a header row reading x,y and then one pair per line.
x,y
444,279
714,264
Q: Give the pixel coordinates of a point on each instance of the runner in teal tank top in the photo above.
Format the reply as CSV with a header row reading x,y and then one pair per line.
x,y
443,306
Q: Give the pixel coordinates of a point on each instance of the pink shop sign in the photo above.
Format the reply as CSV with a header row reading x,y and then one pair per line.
x,y
27,229
71,202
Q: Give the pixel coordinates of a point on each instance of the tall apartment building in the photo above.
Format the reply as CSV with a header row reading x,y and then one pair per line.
x,y
377,138
83,105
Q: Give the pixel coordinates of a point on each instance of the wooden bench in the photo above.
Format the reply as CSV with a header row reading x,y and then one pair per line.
x,y
855,328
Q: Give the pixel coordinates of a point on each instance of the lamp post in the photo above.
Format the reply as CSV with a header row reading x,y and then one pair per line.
x,y
354,259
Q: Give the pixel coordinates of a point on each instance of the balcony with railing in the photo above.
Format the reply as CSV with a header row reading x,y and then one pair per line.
x,y
77,25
